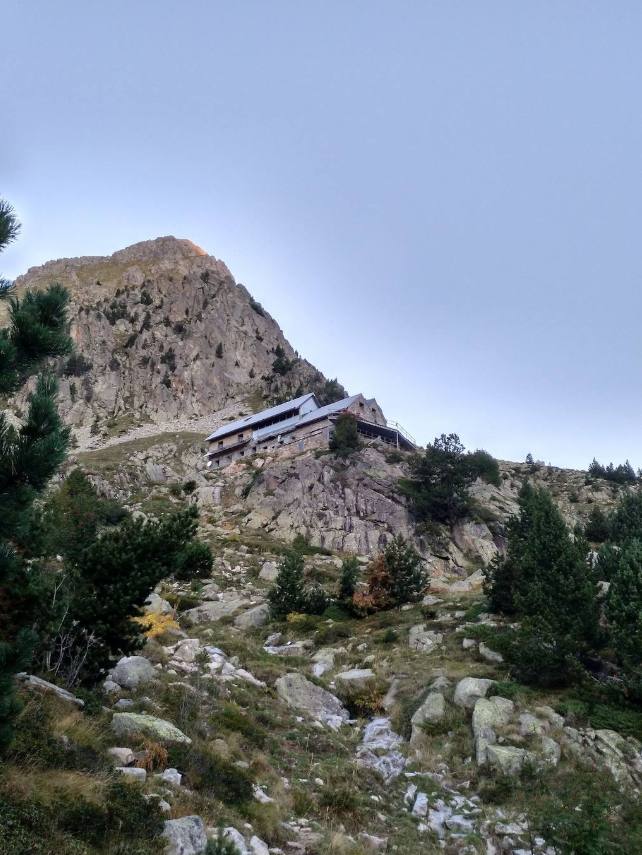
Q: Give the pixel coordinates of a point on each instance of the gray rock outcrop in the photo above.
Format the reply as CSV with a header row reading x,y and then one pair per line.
x,y
132,725
185,836
301,694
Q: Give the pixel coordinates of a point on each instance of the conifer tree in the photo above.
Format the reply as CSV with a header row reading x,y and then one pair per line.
x,y
624,604
545,579
348,578
288,593
545,574
408,577
29,457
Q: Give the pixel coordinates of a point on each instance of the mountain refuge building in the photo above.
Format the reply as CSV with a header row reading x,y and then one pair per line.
x,y
299,425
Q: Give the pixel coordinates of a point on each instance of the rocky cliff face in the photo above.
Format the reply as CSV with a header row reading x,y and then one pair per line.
x,y
163,332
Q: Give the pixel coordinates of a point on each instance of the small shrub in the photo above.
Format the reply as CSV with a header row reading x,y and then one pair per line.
x,y
208,773
345,436
257,307
221,845
77,365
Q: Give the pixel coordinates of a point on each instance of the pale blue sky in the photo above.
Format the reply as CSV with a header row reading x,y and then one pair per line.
x,y
440,202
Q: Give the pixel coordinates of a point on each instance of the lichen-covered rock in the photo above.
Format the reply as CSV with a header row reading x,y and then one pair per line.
x,y
185,836
132,725
301,694
507,759
491,713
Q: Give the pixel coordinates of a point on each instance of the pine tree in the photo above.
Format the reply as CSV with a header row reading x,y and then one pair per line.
x,y
545,579
288,593
348,578
29,457
625,522
624,604
408,576
109,582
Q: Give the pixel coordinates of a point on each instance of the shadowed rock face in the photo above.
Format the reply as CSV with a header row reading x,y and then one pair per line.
x,y
166,333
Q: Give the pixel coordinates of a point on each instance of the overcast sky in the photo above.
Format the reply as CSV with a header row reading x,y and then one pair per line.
x,y
440,202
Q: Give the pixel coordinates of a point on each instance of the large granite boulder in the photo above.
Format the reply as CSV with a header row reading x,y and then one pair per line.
x,y
432,711
469,690
130,672
132,725
301,694
214,610
253,618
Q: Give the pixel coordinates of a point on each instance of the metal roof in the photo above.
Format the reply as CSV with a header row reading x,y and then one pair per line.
x,y
296,421
257,418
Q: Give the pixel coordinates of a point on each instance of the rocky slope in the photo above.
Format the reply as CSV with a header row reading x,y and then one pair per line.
x,y
163,333
400,731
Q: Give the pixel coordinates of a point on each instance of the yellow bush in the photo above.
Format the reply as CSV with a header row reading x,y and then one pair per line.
x,y
155,625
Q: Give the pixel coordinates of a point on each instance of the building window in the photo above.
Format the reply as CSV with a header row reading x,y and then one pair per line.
x,y
220,443
241,453
240,436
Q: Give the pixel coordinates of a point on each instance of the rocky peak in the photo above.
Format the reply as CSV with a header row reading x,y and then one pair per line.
x,y
164,333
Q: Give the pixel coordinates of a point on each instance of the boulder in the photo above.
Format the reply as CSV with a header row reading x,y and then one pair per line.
x,y
155,605
171,776
550,715
121,756
490,655
432,710
133,725
213,611
422,639
258,846
39,685
131,672
506,758
253,618
420,807
551,752
132,773
235,836
301,694
269,572
323,660
490,713
469,690
209,591
185,836
530,725
356,679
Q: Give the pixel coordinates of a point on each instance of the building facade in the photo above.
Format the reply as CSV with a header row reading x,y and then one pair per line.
x,y
299,425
